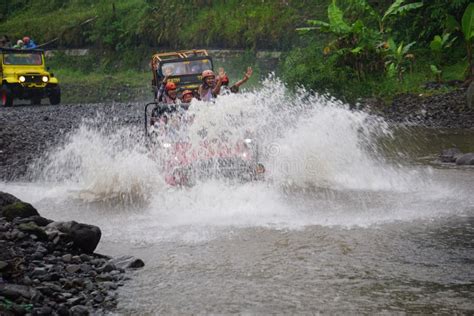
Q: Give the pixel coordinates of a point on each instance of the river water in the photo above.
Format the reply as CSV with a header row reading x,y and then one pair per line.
x,y
355,215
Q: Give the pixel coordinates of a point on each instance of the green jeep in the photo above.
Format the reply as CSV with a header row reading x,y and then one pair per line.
x,y
24,76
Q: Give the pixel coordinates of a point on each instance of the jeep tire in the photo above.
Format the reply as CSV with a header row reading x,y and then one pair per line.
x,y
6,96
55,96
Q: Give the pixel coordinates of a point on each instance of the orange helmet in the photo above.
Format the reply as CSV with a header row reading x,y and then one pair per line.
x,y
26,39
207,73
225,80
185,92
170,86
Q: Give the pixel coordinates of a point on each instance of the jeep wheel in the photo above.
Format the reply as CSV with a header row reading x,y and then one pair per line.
x,y
55,97
6,96
36,101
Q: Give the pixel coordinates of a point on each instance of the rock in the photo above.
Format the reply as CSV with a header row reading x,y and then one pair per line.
x,y
79,310
73,268
84,236
450,155
32,228
18,209
15,290
466,159
67,257
127,262
109,266
3,265
7,199
38,220
63,310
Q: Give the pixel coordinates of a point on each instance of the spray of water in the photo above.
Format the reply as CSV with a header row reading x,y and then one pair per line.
x,y
322,160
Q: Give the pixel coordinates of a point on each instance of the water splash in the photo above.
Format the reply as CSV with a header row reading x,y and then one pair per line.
x,y
324,167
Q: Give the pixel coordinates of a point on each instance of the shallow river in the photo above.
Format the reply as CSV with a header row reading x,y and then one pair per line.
x,y
355,215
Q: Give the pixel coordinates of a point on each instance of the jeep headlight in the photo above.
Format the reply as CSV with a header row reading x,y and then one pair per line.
x,y
22,78
45,78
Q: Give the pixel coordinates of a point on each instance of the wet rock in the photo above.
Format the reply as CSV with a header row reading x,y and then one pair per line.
x,y
73,268
38,220
67,257
32,228
18,209
7,199
127,262
465,159
450,155
84,236
3,265
79,310
15,290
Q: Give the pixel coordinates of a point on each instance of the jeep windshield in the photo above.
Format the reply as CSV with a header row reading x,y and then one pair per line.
x,y
19,58
187,67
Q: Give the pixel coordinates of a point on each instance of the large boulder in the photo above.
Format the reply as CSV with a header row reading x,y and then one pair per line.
x,y
18,209
7,199
466,159
84,237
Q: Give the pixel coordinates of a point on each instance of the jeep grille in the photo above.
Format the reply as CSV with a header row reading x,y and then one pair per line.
x,y
33,78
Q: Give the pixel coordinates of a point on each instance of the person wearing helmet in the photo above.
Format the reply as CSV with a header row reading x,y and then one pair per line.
x,y
19,44
209,89
235,87
187,96
167,92
29,43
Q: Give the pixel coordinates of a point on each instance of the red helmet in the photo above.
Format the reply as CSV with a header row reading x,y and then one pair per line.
x,y
225,80
26,39
207,73
170,86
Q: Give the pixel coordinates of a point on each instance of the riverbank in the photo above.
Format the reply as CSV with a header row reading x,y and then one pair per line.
x,y
439,110
49,267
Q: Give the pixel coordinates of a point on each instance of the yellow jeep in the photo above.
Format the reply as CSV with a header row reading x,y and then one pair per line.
x,y
24,76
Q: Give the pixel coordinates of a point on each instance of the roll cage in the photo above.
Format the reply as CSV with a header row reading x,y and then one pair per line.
x,y
184,68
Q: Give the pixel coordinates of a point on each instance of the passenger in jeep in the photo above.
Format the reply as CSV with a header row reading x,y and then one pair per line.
x,y
29,43
209,89
167,92
225,89
187,96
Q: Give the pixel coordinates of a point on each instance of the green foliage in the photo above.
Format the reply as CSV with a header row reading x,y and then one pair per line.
x,y
398,58
468,31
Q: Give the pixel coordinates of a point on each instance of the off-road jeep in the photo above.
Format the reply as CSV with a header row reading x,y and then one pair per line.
x,y
24,76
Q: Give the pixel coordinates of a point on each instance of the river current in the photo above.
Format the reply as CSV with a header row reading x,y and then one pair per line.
x,y
354,215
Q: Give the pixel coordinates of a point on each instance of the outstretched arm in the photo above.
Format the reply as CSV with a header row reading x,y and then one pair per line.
x,y
246,77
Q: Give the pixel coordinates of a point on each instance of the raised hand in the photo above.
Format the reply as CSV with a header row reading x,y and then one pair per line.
x,y
249,72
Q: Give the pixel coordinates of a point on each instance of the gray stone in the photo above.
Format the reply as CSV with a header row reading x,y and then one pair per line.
x,y
3,265
73,268
79,310
450,155
32,228
67,257
15,290
127,262
466,159
470,95
85,237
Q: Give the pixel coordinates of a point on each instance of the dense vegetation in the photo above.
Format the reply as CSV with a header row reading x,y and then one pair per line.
x,y
351,48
